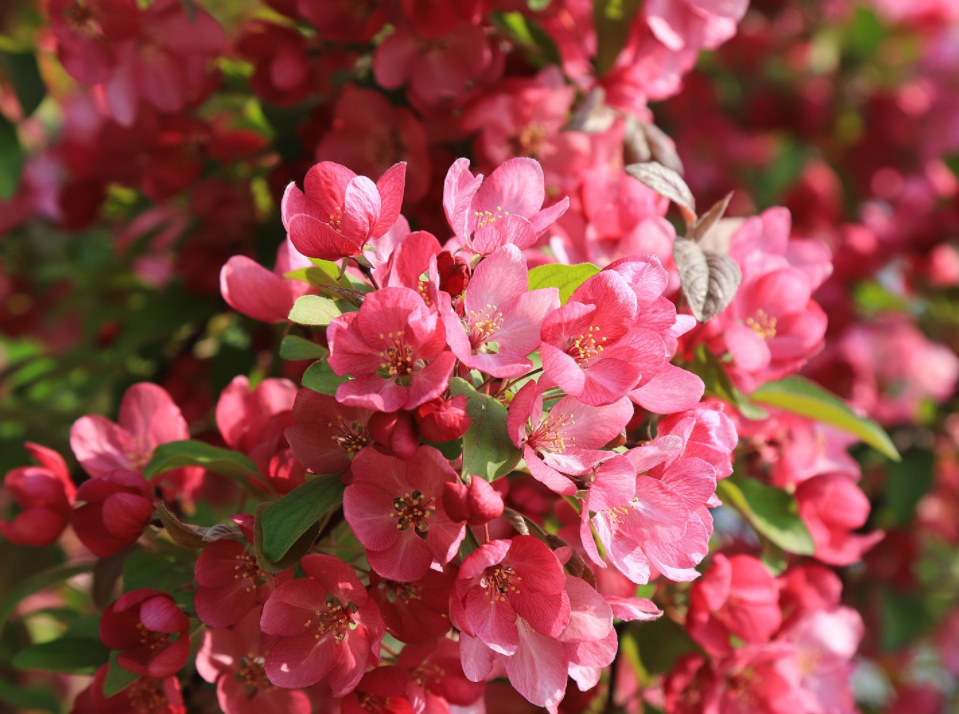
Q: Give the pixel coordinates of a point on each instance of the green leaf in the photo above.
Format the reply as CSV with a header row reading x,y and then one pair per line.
x,y
29,698
321,378
771,511
145,569
612,20
117,678
801,396
904,617
294,347
451,450
38,582
11,158
565,277
487,448
285,521
906,483
177,454
718,384
24,74
67,655
314,310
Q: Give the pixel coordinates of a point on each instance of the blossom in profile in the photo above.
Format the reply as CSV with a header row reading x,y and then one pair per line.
x,y
44,494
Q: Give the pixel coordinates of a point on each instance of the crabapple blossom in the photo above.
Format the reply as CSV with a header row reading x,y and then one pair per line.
x,y
326,627
44,495
396,510
150,630
111,511
264,295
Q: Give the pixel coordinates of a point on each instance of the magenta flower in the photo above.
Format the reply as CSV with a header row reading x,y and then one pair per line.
x,y
590,346
645,522
566,441
507,588
502,317
44,494
233,659
737,596
148,418
326,435
230,583
395,509
327,626
395,349
340,211
833,508
151,632
506,208
262,294
112,511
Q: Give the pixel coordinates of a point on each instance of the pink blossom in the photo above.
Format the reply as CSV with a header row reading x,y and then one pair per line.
x,y
386,690
372,135
590,347
505,591
148,418
233,660
113,510
262,294
437,69
230,583
477,504
773,326
645,522
737,596
87,33
501,316
567,440
832,507
44,494
707,434
416,612
505,208
442,420
395,509
243,413
435,670
826,642
327,627
340,211
394,348
150,630
326,435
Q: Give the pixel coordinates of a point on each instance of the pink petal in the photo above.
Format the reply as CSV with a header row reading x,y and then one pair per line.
x,y
361,210
516,187
390,187
670,390
538,669
459,188
254,291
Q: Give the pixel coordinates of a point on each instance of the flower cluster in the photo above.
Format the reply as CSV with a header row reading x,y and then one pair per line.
x,y
376,357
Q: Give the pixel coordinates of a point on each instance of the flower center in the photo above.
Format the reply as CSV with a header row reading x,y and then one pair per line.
x,y
372,703
145,696
484,323
253,675
762,324
385,149
397,358
551,436
530,139
153,640
413,511
586,346
487,219
246,568
336,218
334,619
426,673
351,437
498,581
81,19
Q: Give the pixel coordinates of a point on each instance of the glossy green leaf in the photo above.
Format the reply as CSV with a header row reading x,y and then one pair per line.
x,y
906,483
11,158
565,277
177,454
295,347
160,571
66,655
321,378
314,310
117,678
285,521
771,511
487,448
24,73
801,396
